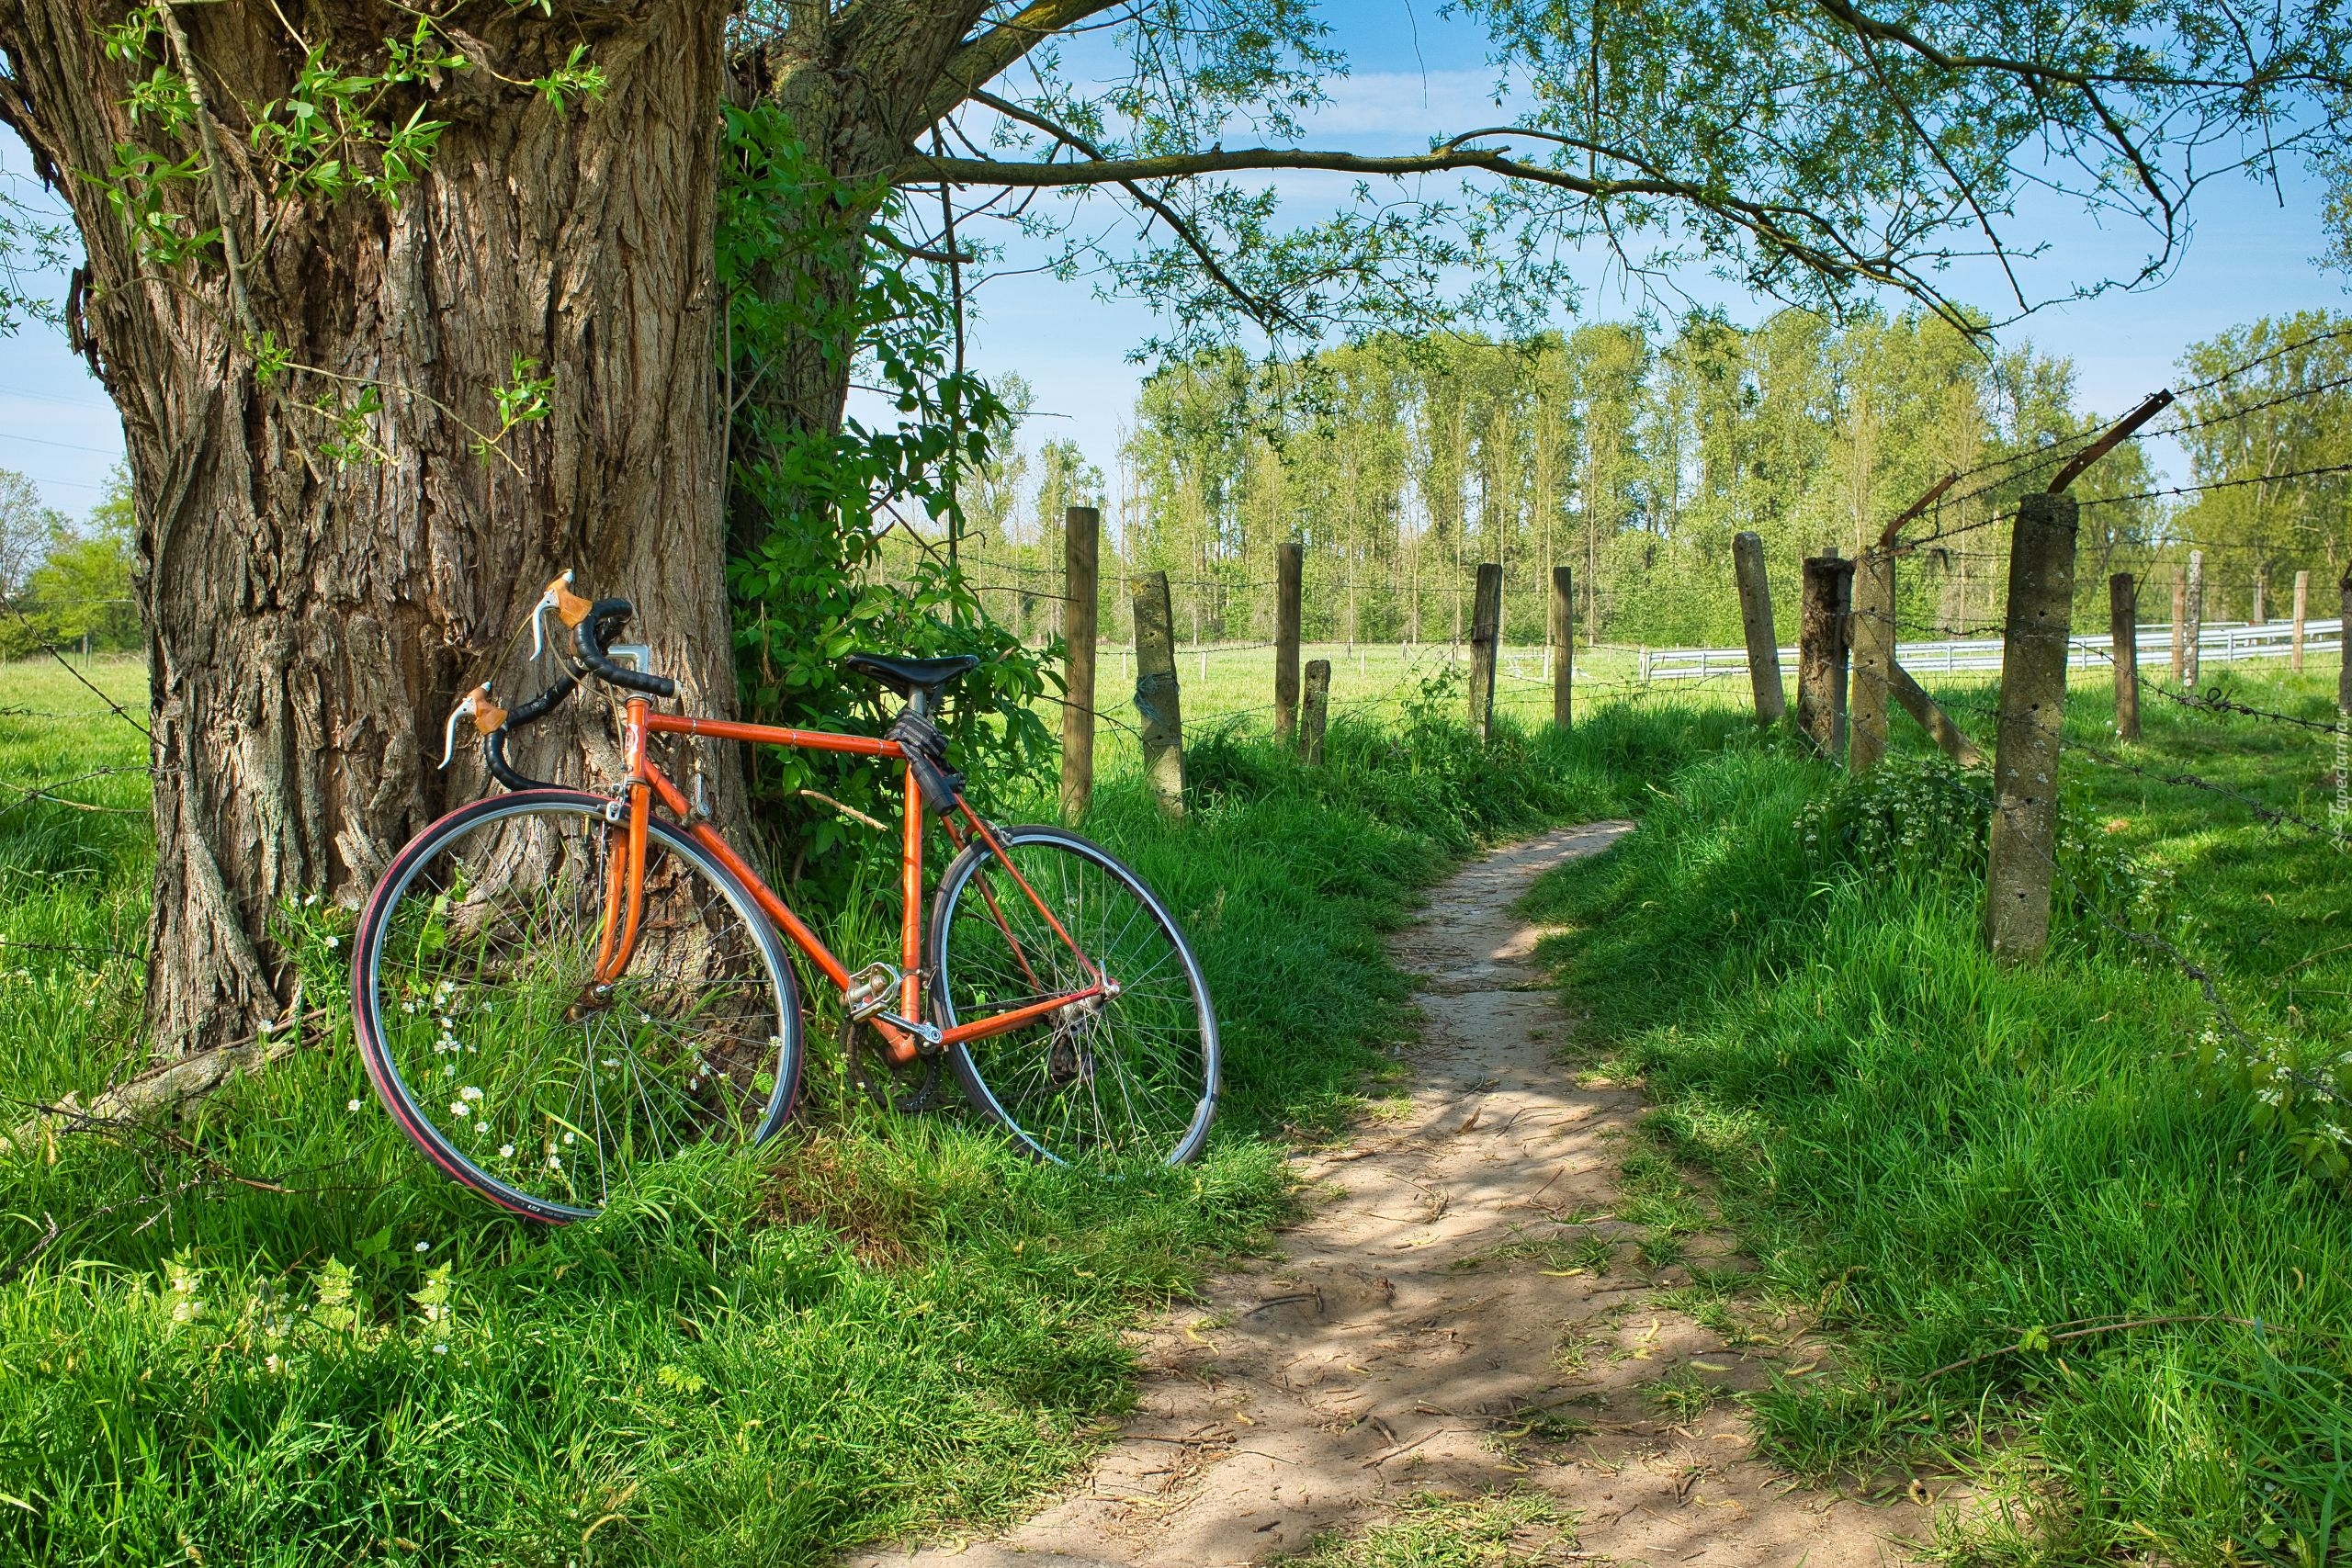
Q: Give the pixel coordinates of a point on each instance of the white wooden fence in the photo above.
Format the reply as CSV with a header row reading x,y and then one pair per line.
x,y
2225,643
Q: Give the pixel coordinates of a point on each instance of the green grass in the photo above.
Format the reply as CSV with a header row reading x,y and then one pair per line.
x,y
1232,685
1430,1531
1941,1158
265,1334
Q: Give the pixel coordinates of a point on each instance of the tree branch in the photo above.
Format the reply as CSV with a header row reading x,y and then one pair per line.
x,y
1259,310
1777,226
981,61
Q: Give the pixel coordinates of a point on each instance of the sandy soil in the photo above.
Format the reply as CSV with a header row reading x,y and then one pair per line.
x,y
1426,1330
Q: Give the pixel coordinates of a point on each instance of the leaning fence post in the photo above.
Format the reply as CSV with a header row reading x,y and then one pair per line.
x,y
1486,631
1315,710
1821,652
1874,641
1158,700
1756,620
2303,608
2124,649
1289,561
2344,642
2024,836
2193,619
1564,645
1082,535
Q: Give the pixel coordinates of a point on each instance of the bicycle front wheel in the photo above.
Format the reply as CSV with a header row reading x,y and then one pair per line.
x,y
489,1041
1131,1073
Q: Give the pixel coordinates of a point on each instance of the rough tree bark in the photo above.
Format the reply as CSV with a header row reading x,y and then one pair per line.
x,y
311,622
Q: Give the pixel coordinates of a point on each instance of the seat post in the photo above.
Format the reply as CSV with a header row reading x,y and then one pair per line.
x,y
918,703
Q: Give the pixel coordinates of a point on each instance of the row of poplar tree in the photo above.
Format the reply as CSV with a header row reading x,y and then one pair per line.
x,y
1632,455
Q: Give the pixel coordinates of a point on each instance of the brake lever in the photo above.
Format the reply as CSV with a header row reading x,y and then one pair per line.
x,y
568,607
475,705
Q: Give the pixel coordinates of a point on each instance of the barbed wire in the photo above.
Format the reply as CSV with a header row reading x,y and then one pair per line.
x,y
2234,371
50,649
2277,815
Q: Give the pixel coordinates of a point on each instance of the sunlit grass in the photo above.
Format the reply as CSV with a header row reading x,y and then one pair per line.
x,y
265,1332
1938,1157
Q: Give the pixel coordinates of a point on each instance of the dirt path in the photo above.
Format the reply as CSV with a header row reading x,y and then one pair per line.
x,y
1443,1324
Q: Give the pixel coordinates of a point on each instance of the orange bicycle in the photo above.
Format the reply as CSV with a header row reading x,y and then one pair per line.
x,y
554,985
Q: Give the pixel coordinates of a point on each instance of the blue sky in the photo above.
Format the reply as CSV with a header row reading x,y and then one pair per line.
x,y
1413,74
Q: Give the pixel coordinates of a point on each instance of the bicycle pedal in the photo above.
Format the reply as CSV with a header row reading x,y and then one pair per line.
x,y
871,991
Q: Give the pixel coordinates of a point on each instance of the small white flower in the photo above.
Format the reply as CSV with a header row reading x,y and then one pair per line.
x,y
334,941
506,1151
570,1139
440,1349
460,1109
469,1092
424,1246
351,1105
555,1162
312,902
272,1362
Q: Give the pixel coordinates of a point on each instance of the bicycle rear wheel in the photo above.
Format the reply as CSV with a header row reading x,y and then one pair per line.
x,y
487,1038
1130,1075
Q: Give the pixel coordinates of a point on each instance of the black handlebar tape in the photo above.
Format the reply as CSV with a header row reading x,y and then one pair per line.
x,y
592,636
539,706
493,756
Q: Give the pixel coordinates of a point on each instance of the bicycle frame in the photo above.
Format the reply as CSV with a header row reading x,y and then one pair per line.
x,y
904,1036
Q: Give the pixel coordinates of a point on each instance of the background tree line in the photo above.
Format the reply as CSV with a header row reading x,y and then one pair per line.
x,y
65,584
1634,455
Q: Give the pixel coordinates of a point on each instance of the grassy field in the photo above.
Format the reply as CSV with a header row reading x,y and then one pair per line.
x,y
1232,686
265,1334
2063,1257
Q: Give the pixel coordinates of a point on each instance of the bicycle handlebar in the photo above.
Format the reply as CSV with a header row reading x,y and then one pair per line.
x,y
605,617
594,628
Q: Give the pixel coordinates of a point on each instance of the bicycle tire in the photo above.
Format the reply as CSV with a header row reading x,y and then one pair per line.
x,y
536,851
1043,1082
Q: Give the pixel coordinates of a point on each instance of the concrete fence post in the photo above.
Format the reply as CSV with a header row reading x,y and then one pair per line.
x,y
2024,840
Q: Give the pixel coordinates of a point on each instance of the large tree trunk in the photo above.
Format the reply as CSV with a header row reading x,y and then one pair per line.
x,y
311,620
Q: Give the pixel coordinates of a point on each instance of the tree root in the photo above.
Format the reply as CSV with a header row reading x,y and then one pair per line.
x,y
161,1089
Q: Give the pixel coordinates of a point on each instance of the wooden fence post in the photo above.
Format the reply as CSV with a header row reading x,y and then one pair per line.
x,y
1873,640
1756,620
2124,639
1564,645
2303,609
1158,700
2179,625
2024,837
1486,631
1315,709
1081,537
1821,652
2195,623
1289,562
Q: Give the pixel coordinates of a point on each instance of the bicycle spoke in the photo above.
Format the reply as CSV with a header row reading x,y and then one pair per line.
x,y
1123,1075
484,1011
